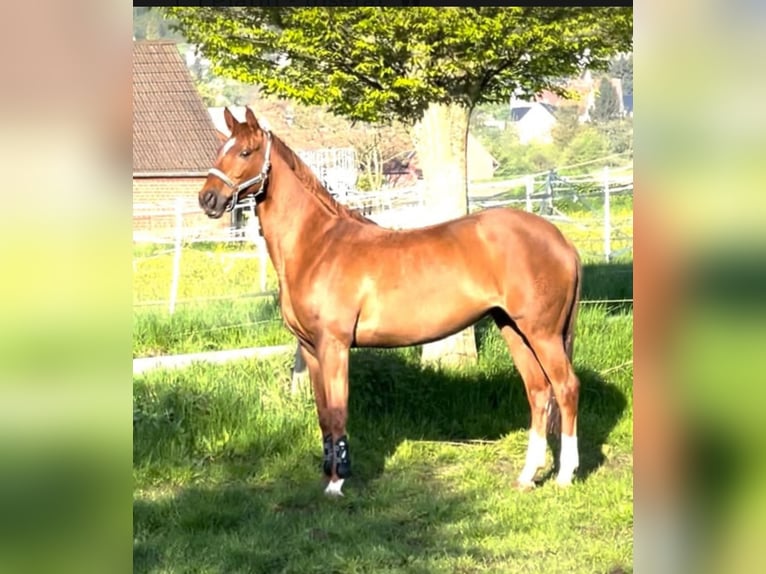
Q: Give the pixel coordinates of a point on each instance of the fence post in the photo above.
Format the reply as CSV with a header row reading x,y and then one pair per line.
x,y
530,191
607,218
177,254
549,192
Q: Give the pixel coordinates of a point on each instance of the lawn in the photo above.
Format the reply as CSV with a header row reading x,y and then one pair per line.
x,y
227,461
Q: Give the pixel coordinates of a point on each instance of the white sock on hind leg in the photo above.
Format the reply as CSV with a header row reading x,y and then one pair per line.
x,y
334,488
569,459
535,458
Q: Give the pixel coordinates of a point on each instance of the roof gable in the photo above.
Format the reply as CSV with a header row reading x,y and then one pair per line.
x,y
519,111
172,131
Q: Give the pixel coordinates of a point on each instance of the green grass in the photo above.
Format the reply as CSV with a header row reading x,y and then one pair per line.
x,y
209,326
204,274
227,463
218,302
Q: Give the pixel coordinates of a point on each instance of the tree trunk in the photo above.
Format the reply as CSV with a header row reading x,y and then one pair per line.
x,y
440,141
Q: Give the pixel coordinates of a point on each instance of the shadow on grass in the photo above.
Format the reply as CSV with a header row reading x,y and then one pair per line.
x,y
267,512
612,282
293,527
394,400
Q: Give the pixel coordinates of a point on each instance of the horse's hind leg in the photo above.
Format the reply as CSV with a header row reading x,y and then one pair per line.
x,y
538,395
552,355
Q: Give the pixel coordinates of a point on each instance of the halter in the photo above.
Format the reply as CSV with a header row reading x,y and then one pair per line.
x,y
260,178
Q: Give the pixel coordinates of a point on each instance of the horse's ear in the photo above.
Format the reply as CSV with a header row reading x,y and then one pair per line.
x,y
230,120
250,118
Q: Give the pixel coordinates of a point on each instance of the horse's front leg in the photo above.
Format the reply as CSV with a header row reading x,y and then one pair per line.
x,y
333,364
315,374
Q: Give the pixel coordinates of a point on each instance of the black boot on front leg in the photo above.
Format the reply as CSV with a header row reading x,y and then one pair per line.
x,y
327,461
342,459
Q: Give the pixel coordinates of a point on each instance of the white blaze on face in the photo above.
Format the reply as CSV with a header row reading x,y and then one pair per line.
x,y
228,145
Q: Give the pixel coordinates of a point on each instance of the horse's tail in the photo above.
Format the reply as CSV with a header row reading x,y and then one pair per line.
x,y
554,413
569,330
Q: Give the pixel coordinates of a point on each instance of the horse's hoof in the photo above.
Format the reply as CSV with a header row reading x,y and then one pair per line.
x,y
524,486
334,488
564,482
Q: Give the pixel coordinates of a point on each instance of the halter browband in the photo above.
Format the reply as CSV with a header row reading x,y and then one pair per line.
x,y
260,178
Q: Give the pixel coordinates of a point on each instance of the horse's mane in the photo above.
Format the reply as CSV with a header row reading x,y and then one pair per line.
x,y
312,184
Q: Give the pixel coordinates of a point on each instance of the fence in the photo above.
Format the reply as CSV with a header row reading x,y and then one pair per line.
x,y
594,211
582,206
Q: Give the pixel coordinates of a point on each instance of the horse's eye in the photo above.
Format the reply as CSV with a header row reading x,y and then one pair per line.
x,y
245,152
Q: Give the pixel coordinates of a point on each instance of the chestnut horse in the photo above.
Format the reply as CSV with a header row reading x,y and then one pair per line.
x,y
346,282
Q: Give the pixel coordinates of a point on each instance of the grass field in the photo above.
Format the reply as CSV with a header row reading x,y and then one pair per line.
x,y
227,462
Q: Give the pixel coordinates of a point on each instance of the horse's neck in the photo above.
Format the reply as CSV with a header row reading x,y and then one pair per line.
x,y
289,216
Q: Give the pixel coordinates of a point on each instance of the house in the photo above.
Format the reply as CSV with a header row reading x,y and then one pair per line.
x,y
174,141
533,121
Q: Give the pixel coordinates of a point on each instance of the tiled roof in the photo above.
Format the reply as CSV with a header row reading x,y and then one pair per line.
x,y
172,131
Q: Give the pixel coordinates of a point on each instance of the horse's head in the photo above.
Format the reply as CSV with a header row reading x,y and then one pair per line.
x,y
241,168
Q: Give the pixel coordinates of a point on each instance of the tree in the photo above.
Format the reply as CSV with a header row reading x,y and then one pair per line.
x,y
607,105
587,145
618,134
426,66
567,124
149,24
622,67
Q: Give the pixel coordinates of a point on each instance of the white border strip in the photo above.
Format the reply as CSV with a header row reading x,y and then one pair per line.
x,y
144,364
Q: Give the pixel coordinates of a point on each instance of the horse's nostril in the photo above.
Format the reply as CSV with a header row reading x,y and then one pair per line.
x,y
209,198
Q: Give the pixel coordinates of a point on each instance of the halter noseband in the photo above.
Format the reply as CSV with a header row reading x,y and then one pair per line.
x,y
260,178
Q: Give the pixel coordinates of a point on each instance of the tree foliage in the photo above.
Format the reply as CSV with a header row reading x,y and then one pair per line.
x,y
567,124
379,64
607,105
150,24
